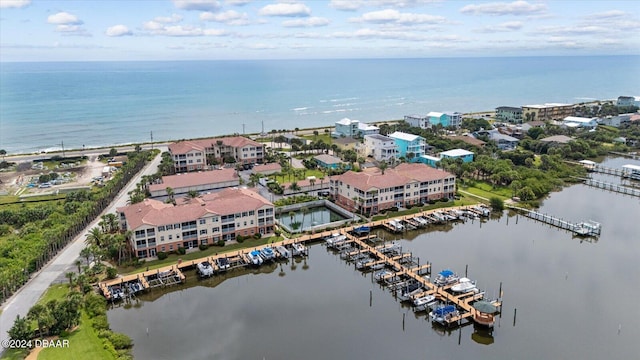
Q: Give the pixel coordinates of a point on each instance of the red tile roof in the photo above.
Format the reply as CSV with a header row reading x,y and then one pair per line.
x,y
185,146
398,176
195,179
267,167
228,201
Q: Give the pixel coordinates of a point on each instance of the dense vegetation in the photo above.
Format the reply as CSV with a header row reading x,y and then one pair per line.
x,y
31,234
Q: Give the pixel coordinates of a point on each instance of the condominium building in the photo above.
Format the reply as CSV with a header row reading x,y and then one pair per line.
x,y
194,155
157,226
380,147
371,190
547,112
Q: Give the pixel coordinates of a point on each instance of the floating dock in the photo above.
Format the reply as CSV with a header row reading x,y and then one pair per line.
x,y
585,228
620,189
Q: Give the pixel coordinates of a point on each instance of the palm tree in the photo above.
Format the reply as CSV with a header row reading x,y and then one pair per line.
x,y
170,194
95,237
305,211
78,263
70,275
192,194
109,223
3,152
383,166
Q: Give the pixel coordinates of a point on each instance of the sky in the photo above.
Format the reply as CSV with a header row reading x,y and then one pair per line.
x,y
82,30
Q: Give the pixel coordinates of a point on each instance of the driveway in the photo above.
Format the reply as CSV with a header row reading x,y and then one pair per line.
x,y
53,272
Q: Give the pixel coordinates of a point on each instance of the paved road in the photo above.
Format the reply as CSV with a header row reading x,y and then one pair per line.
x,y
87,152
21,302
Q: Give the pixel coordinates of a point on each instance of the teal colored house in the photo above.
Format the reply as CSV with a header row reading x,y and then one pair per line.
x,y
409,143
466,156
328,161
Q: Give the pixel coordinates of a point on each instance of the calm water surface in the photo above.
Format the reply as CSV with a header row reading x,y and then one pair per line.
x,y
575,299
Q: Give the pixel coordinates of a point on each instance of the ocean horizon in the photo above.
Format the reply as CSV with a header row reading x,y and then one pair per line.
x,y
93,104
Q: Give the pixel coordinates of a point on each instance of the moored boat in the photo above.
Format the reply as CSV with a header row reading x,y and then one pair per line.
x,y
423,302
223,264
410,290
445,277
442,314
464,285
298,249
204,269
267,254
255,258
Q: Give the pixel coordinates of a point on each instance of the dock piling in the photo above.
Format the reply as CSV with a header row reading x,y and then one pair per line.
x,y
515,312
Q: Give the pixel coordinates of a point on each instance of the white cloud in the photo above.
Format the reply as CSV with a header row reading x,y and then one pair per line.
x,y
174,18
72,30
504,27
201,5
307,22
64,18
501,8
611,14
394,16
260,46
229,17
285,9
16,4
237,2
572,30
118,30
346,5
156,28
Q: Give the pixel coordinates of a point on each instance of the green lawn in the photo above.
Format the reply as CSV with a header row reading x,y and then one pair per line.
x,y
173,258
84,343
486,190
57,292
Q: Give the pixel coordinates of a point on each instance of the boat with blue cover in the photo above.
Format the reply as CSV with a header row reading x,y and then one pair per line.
x,y
445,277
442,314
267,254
255,258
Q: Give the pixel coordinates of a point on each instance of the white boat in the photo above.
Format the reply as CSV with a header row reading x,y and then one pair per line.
x,y
422,221
409,291
442,314
377,266
360,264
423,302
380,275
335,240
223,264
267,254
283,251
254,257
464,285
445,277
396,225
204,269
298,249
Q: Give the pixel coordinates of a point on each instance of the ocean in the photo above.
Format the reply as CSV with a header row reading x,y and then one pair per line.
x,y
46,104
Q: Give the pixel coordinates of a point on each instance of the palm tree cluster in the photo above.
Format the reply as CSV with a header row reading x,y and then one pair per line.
x,y
107,240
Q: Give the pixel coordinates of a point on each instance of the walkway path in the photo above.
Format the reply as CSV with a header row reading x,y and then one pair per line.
x,y
25,298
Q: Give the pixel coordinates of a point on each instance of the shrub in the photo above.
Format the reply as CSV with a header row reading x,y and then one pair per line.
x,y
112,273
100,322
257,236
95,304
203,247
240,239
496,203
220,243
182,250
120,341
162,255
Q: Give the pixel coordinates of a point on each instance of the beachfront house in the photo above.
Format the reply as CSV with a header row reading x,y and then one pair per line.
x,y
201,182
196,155
353,128
371,191
628,101
409,146
509,114
445,119
380,147
504,142
465,155
157,226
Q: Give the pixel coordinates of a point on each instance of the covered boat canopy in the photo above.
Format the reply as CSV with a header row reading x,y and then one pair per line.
x,y
485,307
446,273
444,310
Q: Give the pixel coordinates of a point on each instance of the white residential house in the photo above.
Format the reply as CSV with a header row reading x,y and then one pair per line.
x,y
380,147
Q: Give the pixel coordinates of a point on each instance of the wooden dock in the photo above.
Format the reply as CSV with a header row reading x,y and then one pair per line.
x,y
141,277
617,188
585,228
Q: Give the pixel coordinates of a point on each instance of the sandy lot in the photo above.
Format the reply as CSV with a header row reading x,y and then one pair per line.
x,y
15,182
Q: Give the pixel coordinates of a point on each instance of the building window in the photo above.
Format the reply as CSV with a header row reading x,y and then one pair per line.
x,y
162,238
160,228
203,221
203,232
170,237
